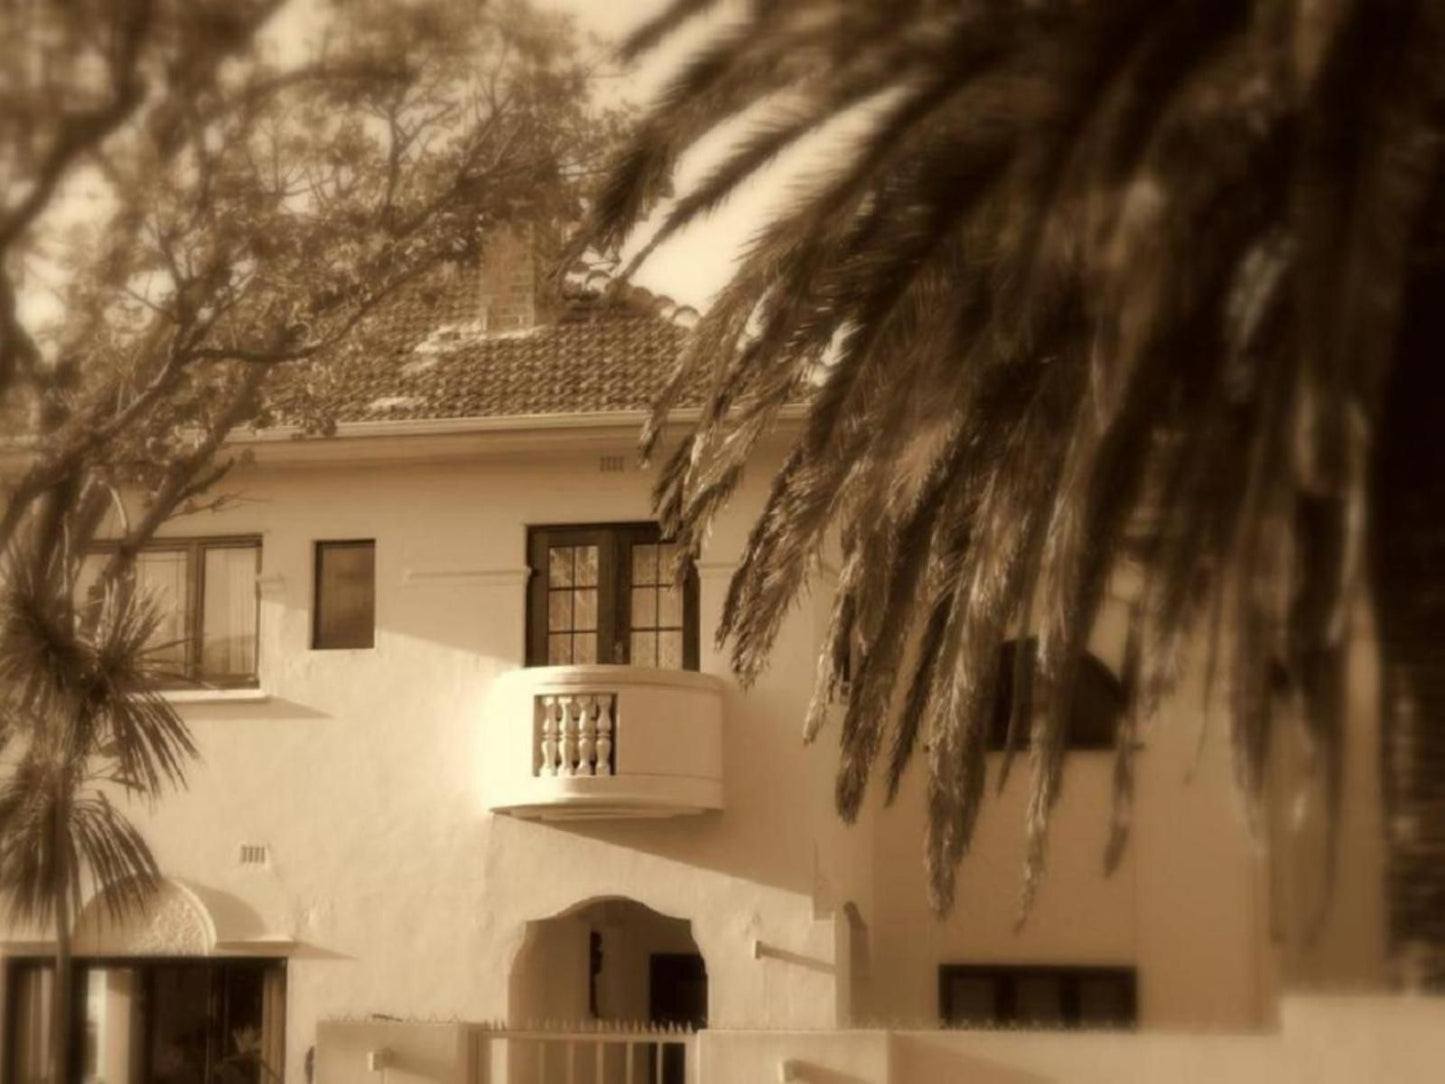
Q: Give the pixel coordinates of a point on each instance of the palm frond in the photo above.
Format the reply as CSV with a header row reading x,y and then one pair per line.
x,y
138,726
661,25
1146,261
37,857
81,705
117,856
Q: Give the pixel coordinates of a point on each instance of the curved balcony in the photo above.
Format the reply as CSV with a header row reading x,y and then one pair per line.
x,y
572,742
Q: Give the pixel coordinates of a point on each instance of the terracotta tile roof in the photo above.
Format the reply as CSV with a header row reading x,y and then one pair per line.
x,y
429,354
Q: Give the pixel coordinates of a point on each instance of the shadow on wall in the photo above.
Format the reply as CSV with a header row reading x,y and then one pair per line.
x,y
269,707
764,950
807,1072
763,763
404,1051
186,918
940,1063
609,959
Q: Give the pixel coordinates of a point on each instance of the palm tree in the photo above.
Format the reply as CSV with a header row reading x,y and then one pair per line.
x,y
81,721
1091,266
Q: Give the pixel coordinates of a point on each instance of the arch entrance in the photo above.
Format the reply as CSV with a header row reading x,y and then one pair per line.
x,y
611,960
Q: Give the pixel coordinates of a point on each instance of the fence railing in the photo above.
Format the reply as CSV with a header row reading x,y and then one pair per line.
x,y
598,1052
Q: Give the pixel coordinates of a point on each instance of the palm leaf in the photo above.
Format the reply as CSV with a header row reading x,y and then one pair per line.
x,y
1145,261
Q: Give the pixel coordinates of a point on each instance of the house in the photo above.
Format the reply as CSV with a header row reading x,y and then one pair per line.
x,y
468,752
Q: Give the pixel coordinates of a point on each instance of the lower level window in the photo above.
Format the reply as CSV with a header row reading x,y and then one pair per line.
x,y
1050,997
153,1022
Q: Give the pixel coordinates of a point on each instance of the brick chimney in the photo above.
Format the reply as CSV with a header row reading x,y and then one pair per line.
x,y
510,280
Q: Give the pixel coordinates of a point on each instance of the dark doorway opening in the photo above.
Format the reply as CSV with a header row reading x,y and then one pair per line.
x,y
677,989
676,994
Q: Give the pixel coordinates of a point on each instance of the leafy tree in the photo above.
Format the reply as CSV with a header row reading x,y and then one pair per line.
x,y
1100,281
210,204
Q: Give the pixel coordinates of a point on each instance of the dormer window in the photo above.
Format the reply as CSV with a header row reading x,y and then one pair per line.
x,y
609,594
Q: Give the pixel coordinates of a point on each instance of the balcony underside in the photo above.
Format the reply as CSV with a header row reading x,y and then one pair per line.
x,y
589,798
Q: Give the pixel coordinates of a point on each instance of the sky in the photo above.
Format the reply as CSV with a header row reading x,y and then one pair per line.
x,y
695,264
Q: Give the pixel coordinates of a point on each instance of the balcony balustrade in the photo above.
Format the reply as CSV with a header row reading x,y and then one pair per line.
x,y
570,742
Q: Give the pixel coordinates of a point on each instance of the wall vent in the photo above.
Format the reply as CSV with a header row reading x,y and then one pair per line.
x,y
612,464
253,854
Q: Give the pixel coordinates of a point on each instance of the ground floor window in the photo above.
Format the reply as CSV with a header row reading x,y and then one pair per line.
x,y
1060,997
151,1021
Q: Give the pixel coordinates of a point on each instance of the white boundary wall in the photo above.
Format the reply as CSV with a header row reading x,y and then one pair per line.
x,y
1322,1040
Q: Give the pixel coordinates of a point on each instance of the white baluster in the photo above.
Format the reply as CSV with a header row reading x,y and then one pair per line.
x,y
569,735
587,734
604,734
549,735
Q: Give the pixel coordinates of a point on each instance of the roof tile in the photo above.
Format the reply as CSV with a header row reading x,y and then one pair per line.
x,y
428,354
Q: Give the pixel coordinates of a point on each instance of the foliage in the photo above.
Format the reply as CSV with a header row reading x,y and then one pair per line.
x,y
1100,280
259,207
209,200
83,719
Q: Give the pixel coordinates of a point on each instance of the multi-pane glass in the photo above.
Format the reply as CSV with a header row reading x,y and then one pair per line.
x,y
609,593
205,594
655,635
572,586
1034,996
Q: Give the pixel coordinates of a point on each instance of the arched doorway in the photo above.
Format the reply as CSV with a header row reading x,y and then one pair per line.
x,y
610,960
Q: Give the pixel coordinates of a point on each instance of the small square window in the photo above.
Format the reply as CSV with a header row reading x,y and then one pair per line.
x,y
345,604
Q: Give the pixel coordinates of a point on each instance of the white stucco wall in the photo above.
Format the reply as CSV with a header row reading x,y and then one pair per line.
x,y
1215,933
362,773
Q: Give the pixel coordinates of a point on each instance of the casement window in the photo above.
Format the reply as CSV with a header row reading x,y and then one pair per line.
x,y
609,594
1098,702
344,610
1050,997
206,591
1098,705
141,1020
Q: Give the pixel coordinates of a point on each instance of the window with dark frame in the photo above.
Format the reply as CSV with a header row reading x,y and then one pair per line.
x,y
609,593
1099,701
209,605
344,606
1032,996
186,1018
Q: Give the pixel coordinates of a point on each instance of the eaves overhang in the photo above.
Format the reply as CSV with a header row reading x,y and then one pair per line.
x,y
433,439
